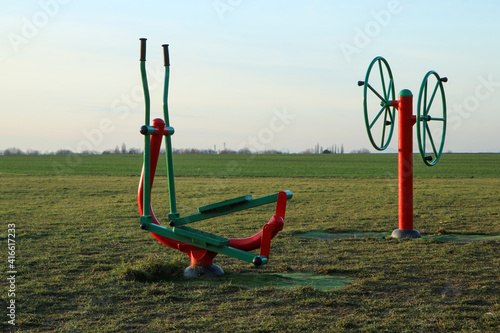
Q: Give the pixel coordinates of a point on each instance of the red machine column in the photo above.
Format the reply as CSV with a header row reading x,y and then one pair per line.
x,y
405,166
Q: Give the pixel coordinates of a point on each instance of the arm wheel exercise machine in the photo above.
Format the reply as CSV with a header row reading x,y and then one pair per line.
x,y
431,129
199,245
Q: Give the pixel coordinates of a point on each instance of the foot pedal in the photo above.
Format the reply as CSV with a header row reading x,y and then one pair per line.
x,y
225,205
201,236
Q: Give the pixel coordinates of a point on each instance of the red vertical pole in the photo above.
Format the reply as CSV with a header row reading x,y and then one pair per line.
x,y
405,167
281,204
265,242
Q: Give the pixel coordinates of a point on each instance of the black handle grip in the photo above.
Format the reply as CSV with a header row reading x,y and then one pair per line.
x,y
166,57
143,49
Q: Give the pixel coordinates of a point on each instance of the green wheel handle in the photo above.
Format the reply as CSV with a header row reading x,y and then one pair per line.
x,y
431,126
381,120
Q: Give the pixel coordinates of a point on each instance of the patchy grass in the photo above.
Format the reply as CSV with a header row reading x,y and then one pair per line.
x,y
84,265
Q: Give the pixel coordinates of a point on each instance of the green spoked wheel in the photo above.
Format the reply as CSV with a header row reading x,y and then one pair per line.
x,y
378,93
431,118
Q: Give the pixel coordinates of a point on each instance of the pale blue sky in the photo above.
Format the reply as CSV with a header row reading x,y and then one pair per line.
x,y
247,73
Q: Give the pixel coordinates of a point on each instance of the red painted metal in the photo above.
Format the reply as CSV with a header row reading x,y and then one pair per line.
x,y
254,242
265,243
274,226
281,204
405,163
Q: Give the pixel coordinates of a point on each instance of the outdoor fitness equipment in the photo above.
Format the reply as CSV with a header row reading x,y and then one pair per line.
x,y
380,125
199,245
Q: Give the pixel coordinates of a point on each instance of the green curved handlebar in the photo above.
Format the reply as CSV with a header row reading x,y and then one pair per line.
x,y
168,141
146,155
426,98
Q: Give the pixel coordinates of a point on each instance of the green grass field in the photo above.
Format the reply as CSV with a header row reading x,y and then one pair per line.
x,y
300,165
84,265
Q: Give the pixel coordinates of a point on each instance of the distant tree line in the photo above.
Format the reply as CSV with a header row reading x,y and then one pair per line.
x,y
360,151
117,150
123,150
333,149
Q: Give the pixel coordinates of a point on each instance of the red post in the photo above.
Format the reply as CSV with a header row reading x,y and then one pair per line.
x,y
405,166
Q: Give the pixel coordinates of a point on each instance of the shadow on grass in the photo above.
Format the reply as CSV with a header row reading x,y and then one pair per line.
x,y
154,269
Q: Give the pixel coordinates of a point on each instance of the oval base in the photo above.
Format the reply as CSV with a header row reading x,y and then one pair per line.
x,y
405,233
196,272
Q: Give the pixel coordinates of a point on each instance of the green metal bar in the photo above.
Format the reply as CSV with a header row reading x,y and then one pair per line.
x,y
424,125
228,209
168,141
432,97
431,139
224,204
389,90
378,115
202,236
390,116
387,111
384,126
375,92
227,250
382,78
147,143
425,110
424,114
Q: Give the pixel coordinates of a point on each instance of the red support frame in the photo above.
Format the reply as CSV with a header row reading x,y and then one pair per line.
x,y
405,166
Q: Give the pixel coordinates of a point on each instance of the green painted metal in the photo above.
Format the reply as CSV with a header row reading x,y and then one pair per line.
x,y
405,93
424,117
223,205
387,95
223,208
195,239
147,143
168,148
202,236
